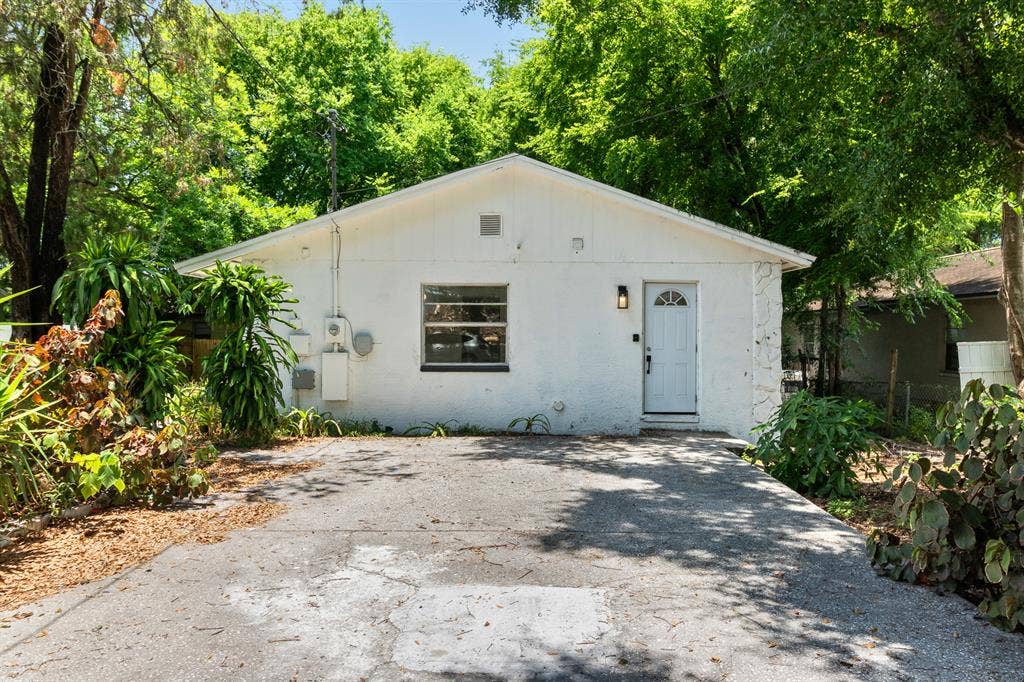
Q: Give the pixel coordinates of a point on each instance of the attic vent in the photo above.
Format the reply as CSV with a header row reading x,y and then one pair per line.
x,y
490,224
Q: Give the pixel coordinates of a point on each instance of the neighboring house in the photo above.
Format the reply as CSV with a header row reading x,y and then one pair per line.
x,y
927,346
514,288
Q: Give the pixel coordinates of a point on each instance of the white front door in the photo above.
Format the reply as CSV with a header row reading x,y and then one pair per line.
x,y
670,348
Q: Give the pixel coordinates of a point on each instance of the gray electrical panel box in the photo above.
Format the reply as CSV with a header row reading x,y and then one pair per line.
x,y
303,378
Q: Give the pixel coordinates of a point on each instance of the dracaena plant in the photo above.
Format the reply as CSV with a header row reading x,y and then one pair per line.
x,y
966,513
242,373
142,349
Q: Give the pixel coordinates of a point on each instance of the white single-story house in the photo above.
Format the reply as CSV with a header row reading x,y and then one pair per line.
x,y
515,288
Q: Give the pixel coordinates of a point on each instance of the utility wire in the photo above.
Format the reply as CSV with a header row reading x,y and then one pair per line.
x,y
286,91
266,72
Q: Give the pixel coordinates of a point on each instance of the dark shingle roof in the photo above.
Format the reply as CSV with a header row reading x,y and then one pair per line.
x,y
965,275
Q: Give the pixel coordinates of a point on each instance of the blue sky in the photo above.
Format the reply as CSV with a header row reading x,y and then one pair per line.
x,y
472,36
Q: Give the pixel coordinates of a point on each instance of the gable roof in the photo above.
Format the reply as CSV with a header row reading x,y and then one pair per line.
x,y
965,275
791,258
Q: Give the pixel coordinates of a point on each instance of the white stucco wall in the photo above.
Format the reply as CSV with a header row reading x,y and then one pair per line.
x,y
566,339
767,356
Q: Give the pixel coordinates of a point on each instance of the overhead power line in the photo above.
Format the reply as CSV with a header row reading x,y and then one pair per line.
x,y
284,90
331,115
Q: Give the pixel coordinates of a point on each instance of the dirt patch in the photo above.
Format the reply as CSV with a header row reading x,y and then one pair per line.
x,y
74,552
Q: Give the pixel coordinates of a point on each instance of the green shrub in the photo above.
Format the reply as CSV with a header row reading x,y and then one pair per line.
x,y
813,444
365,427
921,426
441,429
242,373
471,430
966,515
150,363
80,424
141,349
309,423
846,509
189,405
24,475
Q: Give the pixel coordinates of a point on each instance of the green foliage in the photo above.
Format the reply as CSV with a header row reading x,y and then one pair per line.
x,y
68,431
921,426
354,428
154,467
242,373
142,350
529,423
440,429
813,445
125,264
966,514
23,473
150,363
24,477
191,406
409,115
846,509
98,472
311,423
471,430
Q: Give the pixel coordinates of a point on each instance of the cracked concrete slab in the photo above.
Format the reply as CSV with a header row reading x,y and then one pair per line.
x,y
659,557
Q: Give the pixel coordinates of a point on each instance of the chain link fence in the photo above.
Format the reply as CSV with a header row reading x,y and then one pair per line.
x,y
911,400
908,396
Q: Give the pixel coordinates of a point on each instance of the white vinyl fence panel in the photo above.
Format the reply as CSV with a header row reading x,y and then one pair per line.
x,y
987,360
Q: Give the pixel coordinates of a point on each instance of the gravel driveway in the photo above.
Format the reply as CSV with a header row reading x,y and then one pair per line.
x,y
659,557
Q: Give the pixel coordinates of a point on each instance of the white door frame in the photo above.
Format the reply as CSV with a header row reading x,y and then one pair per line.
x,y
697,333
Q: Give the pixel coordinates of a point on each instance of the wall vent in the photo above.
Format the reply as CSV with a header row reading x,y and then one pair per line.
x,y
490,224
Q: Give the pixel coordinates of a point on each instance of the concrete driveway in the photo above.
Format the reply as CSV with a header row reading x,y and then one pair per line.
x,y
661,557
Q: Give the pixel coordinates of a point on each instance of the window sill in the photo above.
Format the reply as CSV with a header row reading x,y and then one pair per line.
x,y
463,368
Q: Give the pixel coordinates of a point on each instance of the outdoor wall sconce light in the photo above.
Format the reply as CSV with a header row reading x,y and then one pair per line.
x,y
623,297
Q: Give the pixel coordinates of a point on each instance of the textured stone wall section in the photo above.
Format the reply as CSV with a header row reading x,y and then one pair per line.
x,y
767,355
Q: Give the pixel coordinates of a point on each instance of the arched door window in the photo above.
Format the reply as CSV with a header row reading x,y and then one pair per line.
x,y
671,297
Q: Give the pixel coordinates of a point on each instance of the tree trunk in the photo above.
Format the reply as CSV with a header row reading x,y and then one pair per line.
x,y
823,354
837,338
1012,292
33,235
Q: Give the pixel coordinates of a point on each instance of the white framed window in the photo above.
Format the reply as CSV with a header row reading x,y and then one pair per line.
x,y
465,327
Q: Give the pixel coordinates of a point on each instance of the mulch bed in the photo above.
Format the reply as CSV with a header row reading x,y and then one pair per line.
x,y
74,552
